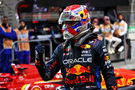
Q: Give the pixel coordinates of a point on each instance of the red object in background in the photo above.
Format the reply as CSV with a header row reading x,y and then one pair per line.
x,y
26,77
22,74
35,22
25,74
24,6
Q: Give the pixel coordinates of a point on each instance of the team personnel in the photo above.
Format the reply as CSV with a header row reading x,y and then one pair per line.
x,y
7,36
23,54
81,57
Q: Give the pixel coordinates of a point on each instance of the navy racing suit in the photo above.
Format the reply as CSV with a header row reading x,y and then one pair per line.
x,y
81,64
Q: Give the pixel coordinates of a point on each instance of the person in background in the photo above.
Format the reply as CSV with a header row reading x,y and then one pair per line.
x,y
81,58
107,31
7,36
120,27
95,24
97,30
23,54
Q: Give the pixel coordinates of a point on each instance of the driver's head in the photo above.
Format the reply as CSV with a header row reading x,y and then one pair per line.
x,y
75,20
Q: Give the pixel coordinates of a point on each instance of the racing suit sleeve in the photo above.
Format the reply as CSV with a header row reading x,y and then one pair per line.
x,y
105,65
49,69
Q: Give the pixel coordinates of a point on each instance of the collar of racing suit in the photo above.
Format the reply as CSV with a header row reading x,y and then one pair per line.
x,y
81,40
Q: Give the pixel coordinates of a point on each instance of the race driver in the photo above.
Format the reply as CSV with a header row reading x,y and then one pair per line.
x,y
81,58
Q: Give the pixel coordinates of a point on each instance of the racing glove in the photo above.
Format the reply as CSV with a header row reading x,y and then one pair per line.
x,y
39,51
39,62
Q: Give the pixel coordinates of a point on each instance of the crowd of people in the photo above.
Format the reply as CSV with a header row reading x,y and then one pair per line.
x,y
7,36
113,33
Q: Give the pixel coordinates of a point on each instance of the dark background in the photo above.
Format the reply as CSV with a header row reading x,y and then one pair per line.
x,y
96,3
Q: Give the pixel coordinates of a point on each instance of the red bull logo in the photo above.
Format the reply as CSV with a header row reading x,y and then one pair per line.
x,y
82,75
80,79
106,58
78,69
85,46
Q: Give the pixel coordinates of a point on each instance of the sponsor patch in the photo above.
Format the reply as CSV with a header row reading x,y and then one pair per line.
x,y
78,69
106,57
85,46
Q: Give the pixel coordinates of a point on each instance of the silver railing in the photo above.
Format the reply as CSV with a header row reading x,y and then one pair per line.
x,y
36,40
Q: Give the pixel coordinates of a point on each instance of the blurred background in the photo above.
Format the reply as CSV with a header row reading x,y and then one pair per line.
x,y
41,17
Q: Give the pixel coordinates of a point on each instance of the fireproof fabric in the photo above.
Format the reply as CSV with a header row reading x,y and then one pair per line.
x,y
80,66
